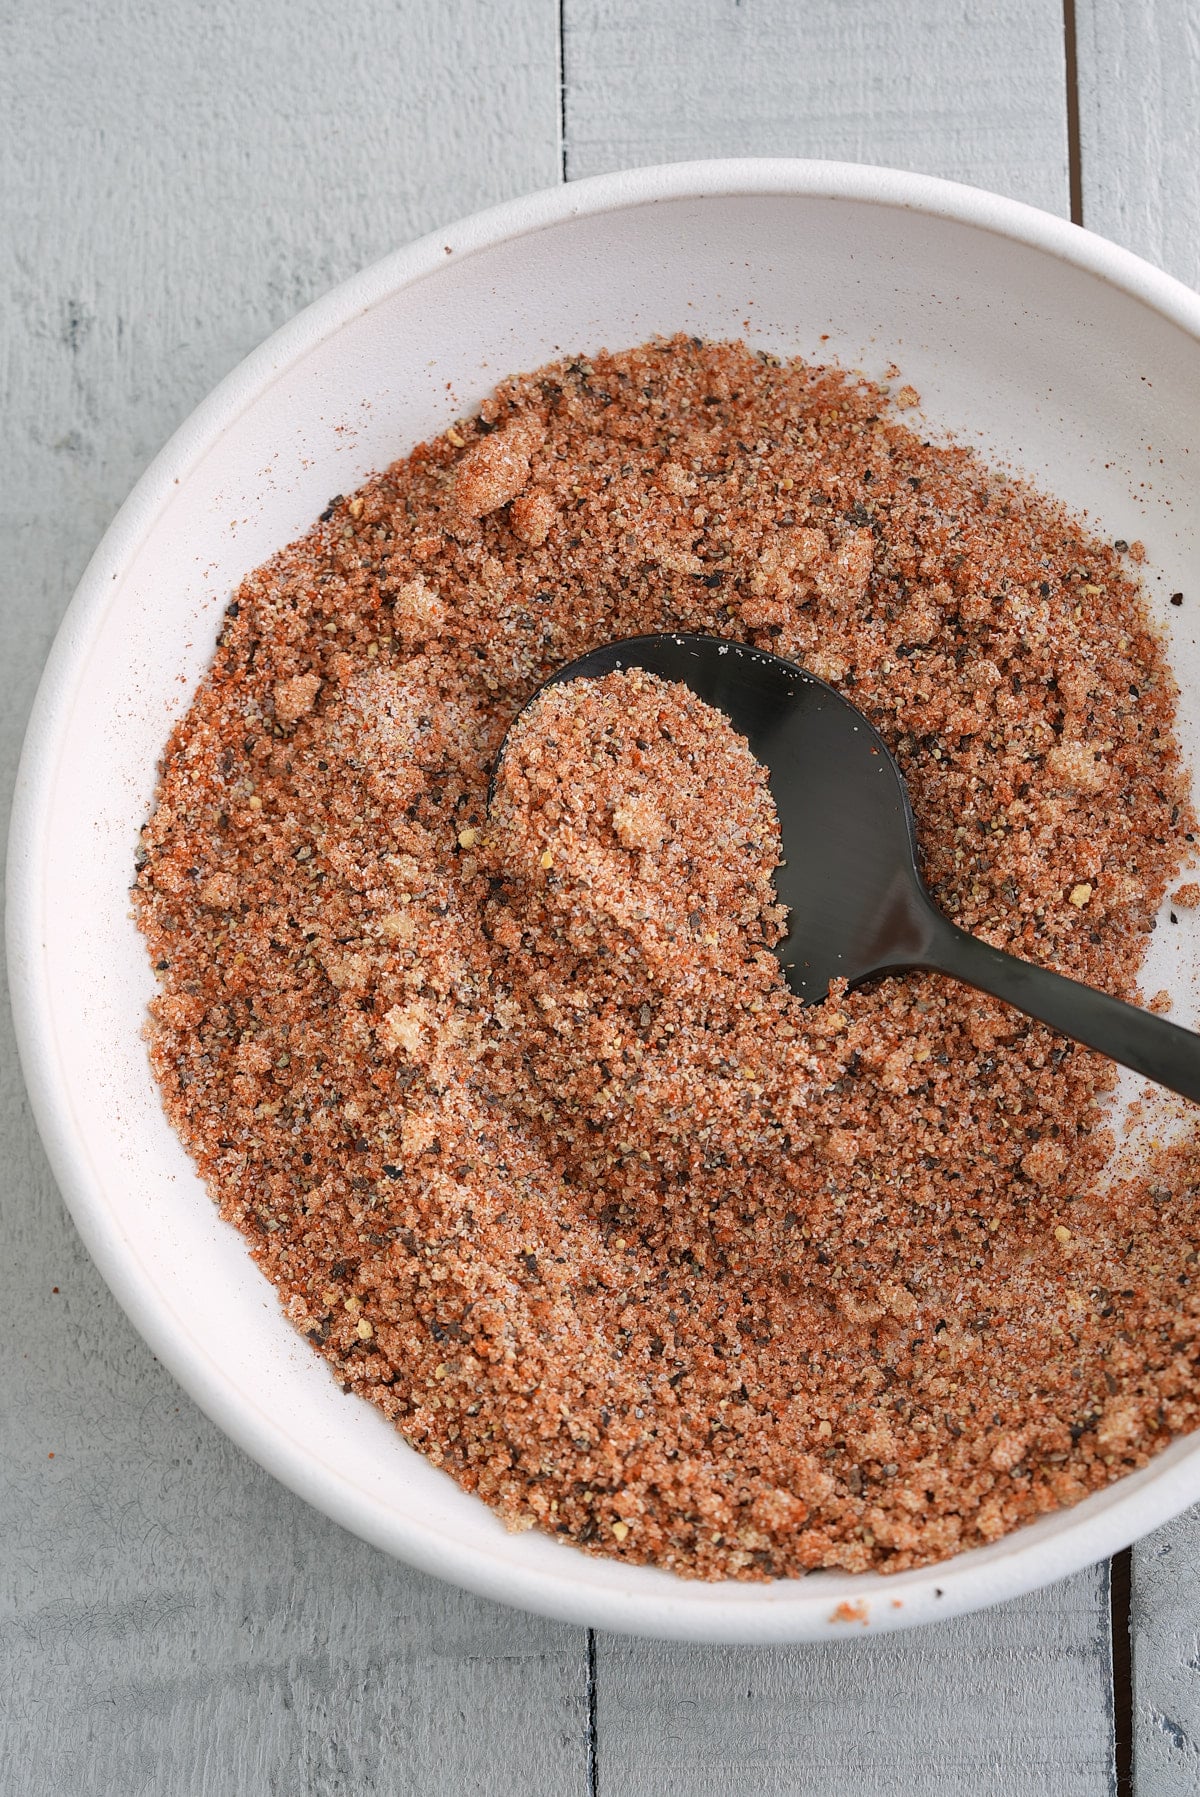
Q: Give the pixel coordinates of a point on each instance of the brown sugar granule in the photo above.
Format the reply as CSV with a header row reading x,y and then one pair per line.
x,y
532,517
515,1109
1187,897
495,470
296,697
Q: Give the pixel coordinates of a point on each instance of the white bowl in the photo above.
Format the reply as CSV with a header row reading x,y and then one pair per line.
x,y
1046,346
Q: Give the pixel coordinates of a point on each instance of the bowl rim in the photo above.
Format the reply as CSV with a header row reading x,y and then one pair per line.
x,y
725,1611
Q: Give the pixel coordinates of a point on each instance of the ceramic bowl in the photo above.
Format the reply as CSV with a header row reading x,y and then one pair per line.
x,y
1043,346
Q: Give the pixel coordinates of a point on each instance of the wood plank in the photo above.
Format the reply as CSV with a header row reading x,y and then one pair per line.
x,y
1139,127
175,182
975,93
1139,74
1016,1699
173,1621
1007,1702
1165,1642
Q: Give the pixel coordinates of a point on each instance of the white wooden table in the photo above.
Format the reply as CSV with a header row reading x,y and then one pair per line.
x,y
176,178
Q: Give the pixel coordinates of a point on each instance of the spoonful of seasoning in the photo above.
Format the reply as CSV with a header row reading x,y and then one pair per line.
x,y
850,875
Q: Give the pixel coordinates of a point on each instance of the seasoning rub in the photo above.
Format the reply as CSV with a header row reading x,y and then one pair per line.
x,y
517,1113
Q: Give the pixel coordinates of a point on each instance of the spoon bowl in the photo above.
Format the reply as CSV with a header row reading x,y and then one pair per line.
x,y
851,875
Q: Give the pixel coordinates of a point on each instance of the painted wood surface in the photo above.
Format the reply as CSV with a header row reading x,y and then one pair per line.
x,y
975,92
175,180
1139,126
1139,119
1011,1701
1165,1643
175,1623
1017,1699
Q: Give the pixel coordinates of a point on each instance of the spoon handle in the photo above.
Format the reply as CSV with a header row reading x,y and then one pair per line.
x,y
1150,1045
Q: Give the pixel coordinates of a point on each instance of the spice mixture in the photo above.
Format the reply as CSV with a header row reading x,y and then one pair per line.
x,y
517,1112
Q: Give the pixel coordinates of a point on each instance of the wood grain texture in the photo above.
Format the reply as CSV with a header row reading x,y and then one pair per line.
x,y
1165,1641
173,1622
175,181
975,92
1139,123
1139,77
1016,1699
1011,1701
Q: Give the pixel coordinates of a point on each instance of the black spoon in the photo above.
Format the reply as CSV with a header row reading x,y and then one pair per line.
x,y
850,879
